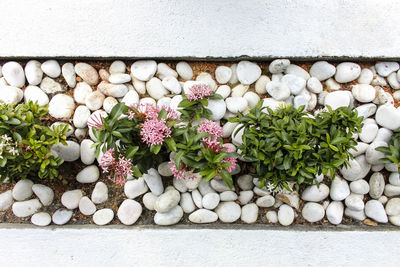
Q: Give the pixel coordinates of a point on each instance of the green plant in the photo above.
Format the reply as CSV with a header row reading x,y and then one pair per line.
x,y
393,151
200,151
140,134
26,143
290,146
194,104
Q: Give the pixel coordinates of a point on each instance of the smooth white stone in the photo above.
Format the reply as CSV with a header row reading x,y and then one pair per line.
x,y
245,196
298,71
368,133
393,82
41,219
103,216
11,95
334,212
347,72
261,84
364,93
386,68
168,200
184,70
265,201
228,212
61,216
33,72
87,152
224,91
245,182
278,90
172,84
70,199
355,202
357,215
384,135
61,106
295,83
51,68
219,186
366,76
135,188
394,178
210,201
217,108
285,215
291,199
234,79
236,104
117,66
149,199
376,185
155,88
366,110
278,65
247,72
22,190
179,185
81,115
26,208
322,70
129,211
205,188
313,212
69,153
139,86
395,220
44,193
261,191
86,206
315,193
249,213
35,94
228,196
14,74
69,74
163,70
223,74
87,73
388,116
153,181
373,156
197,198
109,103
114,90
393,207
164,169
170,217
203,216
6,200
187,203
206,78
375,210
94,100
100,193
314,85
359,187
331,84
392,190
337,99
119,78
272,216
89,174
50,86
193,182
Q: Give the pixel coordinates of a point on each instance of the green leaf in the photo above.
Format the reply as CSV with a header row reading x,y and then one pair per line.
x,y
171,144
131,152
226,178
210,175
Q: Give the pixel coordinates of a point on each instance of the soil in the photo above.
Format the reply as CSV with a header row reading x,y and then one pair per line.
x,y
68,171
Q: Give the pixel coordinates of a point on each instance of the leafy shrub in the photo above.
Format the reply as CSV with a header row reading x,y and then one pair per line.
x,y
26,143
194,103
393,151
200,149
290,146
137,136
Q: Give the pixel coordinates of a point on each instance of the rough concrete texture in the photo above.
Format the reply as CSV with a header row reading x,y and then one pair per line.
x,y
192,28
178,246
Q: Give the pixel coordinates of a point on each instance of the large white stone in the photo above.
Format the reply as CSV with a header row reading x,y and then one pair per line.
x,y
70,199
11,95
248,72
89,174
33,72
315,193
61,106
51,68
312,212
44,193
22,190
61,216
154,181
135,188
375,210
388,116
87,73
26,208
14,74
203,216
129,211
6,200
86,206
35,94
68,72
285,215
228,212
70,152
50,86
249,213
322,70
103,216
376,185
184,70
41,219
100,193
334,212
347,72
364,93
170,217
166,201
144,70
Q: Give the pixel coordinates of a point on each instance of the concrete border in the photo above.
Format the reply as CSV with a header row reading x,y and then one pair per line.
x,y
160,246
206,29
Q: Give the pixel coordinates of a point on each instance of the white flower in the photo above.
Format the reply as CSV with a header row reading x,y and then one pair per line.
x,y
13,151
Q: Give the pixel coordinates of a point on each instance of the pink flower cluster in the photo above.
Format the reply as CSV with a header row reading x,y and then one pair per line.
x,y
95,121
151,112
199,91
154,132
183,173
117,170
231,160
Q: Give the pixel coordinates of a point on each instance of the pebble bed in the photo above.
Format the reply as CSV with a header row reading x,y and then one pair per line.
x,y
367,191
